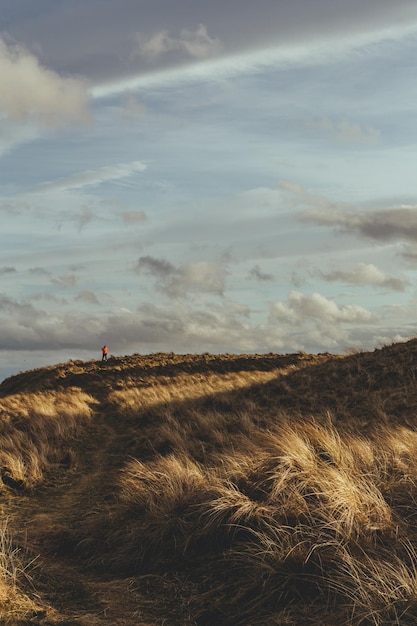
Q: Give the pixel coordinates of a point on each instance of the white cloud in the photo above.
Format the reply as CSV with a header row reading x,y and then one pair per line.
x,y
367,274
191,44
202,276
178,281
301,308
29,91
313,322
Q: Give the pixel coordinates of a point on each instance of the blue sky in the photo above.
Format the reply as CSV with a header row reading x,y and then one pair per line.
x,y
206,177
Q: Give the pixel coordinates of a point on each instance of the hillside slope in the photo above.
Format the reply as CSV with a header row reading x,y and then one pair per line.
x,y
211,490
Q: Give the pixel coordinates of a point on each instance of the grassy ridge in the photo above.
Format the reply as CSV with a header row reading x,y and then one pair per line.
x,y
212,490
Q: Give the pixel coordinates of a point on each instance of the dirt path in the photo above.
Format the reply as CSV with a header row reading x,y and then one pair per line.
x,y
45,522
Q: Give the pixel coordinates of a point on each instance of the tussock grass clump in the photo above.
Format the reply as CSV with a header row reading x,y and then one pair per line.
x,y
302,516
11,563
156,515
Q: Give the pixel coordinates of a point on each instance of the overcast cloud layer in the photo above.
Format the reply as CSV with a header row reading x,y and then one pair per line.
x,y
190,176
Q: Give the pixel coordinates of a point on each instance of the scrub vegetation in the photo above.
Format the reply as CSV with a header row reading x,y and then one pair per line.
x,y
211,490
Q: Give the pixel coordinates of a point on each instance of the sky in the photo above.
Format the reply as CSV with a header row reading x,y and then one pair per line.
x,y
188,176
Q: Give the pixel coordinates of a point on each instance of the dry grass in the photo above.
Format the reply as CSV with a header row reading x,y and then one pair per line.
x,y
214,490
15,605
33,428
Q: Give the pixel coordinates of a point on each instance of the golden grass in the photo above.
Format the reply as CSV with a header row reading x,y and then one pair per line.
x,y
217,490
33,428
183,388
15,605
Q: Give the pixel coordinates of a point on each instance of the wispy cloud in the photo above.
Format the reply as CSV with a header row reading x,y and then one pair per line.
x,y
83,218
345,131
258,274
88,178
8,269
39,271
15,133
133,217
283,52
66,281
132,107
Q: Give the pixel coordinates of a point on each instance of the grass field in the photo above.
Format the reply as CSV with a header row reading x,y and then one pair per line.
x,y
211,490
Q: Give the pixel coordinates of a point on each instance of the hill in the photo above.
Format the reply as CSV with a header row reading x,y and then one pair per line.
x,y
211,490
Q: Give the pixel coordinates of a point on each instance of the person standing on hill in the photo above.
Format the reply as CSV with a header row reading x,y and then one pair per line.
x,y
105,352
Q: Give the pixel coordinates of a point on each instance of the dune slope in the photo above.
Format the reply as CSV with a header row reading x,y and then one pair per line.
x,y
211,490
